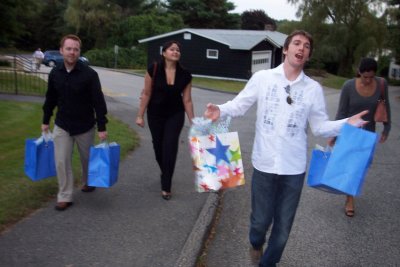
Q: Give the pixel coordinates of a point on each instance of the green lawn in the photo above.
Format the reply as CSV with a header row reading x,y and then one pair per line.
x,y
18,194
326,79
221,85
332,81
27,83
216,84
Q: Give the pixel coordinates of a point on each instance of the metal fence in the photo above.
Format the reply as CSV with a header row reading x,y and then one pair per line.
x,y
19,76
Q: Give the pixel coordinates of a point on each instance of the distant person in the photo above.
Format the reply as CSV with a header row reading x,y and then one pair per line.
x,y
286,100
167,97
74,88
362,93
38,58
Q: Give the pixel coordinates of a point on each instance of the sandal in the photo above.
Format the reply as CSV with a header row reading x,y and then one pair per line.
x,y
349,209
349,212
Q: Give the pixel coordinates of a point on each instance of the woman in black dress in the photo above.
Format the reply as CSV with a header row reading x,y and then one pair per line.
x,y
167,97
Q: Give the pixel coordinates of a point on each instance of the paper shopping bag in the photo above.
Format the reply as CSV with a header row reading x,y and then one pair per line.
x,y
39,159
103,165
344,170
319,160
217,161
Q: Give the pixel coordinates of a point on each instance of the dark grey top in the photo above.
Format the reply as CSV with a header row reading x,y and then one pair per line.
x,y
351,103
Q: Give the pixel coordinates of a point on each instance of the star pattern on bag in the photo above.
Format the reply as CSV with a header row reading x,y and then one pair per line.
x,y
219,152
236,155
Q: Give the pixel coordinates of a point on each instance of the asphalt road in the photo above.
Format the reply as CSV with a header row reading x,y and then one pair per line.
x,y
130,225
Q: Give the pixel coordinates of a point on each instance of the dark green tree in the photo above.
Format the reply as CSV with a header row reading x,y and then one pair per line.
x,y
92,20
9,25
393,22
288,26
128,31
134,7
348,29
49,25
257,20
210,14
15,16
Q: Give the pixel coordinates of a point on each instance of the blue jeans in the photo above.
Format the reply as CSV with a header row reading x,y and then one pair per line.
x,y
274,198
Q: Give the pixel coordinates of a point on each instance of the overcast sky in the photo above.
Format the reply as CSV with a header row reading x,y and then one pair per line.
x,y
276,9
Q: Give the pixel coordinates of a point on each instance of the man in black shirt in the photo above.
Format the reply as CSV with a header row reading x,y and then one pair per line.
x,y
74,88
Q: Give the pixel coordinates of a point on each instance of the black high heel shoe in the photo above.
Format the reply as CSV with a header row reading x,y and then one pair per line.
x,y
166,195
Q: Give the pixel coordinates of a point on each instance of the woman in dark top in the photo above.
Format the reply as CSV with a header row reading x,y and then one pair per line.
x,y
362,93
166,96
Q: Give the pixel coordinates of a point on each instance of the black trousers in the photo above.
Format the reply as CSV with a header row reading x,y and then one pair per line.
x,y
165,133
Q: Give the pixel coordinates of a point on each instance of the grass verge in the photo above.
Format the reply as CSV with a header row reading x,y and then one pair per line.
x,y
332,81
19,196
326,79
27,83
220,85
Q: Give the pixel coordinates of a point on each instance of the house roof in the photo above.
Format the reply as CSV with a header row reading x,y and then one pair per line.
x,y
235,39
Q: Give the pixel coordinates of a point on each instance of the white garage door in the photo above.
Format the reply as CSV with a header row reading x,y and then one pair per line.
x,y
261,60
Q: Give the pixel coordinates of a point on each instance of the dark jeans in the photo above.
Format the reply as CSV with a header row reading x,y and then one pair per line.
x,y
165,133
274,198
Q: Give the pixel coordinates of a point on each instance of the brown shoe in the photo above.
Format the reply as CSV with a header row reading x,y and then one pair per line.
x,y
255,255
63,205
86,188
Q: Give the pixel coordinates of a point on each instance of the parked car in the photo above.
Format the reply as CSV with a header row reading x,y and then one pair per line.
x,y
54,57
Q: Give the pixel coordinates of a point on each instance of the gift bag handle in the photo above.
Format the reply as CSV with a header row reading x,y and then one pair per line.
x,y
45,137
103,143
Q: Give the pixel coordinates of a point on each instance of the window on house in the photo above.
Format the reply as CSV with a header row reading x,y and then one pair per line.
x,y
187,36
394,73
212,53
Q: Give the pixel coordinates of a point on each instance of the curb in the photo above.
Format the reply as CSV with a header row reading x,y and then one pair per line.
x,y
194,243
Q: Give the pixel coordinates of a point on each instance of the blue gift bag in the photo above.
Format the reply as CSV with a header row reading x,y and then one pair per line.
x,y
104,165
319,160
39,158
343,170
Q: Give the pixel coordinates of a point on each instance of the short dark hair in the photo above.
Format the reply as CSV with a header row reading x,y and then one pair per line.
x,y
299,32
367,64
70,36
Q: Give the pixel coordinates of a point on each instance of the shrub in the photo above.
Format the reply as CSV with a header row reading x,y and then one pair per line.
x,y
127,58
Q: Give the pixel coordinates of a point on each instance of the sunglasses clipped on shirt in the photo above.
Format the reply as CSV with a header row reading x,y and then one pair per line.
x,y
289,99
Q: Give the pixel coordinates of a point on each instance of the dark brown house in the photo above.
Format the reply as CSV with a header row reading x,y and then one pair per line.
x,y
233,54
